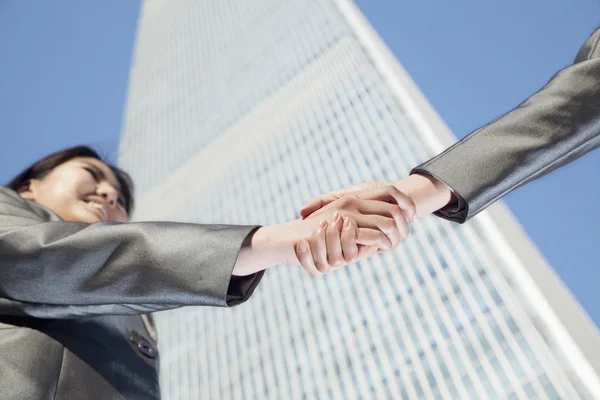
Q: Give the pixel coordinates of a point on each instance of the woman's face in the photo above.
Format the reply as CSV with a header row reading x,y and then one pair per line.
x,y
80,190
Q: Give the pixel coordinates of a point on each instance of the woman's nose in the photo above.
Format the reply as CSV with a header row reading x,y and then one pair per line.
x,y
108,193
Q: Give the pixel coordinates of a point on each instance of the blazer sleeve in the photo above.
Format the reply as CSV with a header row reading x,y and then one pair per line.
x,y
555,126
58,269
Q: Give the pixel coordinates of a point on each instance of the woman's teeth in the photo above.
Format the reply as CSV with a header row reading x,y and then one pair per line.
x,y
98,207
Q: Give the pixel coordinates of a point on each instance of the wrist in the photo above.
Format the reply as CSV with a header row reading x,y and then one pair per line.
x,y
427,192
275,244
266,247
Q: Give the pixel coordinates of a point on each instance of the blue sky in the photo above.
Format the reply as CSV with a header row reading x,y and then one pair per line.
x,y
65,65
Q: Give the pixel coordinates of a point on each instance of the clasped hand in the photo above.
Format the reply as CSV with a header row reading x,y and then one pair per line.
x,y
353,224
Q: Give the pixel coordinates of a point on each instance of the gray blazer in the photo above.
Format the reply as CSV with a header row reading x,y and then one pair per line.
x,y
73,298
555,126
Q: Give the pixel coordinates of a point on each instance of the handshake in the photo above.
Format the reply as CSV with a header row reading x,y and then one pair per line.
x,y
344,226
352,224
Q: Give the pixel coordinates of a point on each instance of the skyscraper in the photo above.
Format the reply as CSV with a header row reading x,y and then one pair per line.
x,y
238,113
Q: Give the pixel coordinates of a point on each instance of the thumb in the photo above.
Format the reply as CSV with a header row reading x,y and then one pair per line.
x,y
319,202
316,203
310,207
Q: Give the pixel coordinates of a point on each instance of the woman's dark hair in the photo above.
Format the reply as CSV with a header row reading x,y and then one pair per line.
x,y
43,167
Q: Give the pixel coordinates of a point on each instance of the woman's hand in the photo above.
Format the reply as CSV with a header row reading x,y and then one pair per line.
x,y
382,217
383,191
379,223
332,245
418,195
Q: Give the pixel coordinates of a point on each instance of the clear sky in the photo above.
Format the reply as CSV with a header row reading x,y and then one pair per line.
x,y
65,65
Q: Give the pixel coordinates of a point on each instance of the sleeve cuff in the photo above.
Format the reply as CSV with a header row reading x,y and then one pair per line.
x,y
455,212
241,288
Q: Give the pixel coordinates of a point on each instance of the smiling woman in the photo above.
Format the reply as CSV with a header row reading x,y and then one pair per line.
x,y
77,282
77,186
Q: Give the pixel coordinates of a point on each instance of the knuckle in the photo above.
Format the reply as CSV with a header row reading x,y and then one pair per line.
x,y
352,254
346,202
393,191
384,241
390,225
396,211
321,266
400,193
403,227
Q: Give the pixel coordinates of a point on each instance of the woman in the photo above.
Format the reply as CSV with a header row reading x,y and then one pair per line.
x,y
76,280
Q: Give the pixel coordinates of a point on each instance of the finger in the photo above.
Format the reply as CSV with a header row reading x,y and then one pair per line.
x,y
373,237
386,225
306,258
335,258
318,247
311,206
348,238
366,251
319,202
374,207
392,194
316,203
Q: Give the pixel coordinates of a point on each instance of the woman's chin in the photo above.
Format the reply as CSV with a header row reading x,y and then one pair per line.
x,y
84,216
92,219
88,215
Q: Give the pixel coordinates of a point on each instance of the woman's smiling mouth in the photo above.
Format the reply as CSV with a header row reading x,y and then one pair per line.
x,y
99,209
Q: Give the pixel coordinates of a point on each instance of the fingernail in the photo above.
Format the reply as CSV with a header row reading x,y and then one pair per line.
x,y
303,247
414,218
346,222
322,224
336,216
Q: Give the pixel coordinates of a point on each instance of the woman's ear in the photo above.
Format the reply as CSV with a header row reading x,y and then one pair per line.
x,y
28,189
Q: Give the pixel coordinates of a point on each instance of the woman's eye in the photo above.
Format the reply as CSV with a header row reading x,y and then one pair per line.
x,y
93,173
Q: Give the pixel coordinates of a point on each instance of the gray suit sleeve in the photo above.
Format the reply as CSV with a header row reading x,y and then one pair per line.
x,y
57,269
555,126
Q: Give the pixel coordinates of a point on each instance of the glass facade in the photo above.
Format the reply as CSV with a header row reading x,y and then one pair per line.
x,y
240,111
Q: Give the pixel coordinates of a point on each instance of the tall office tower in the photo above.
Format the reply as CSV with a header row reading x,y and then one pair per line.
x,y
240,111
